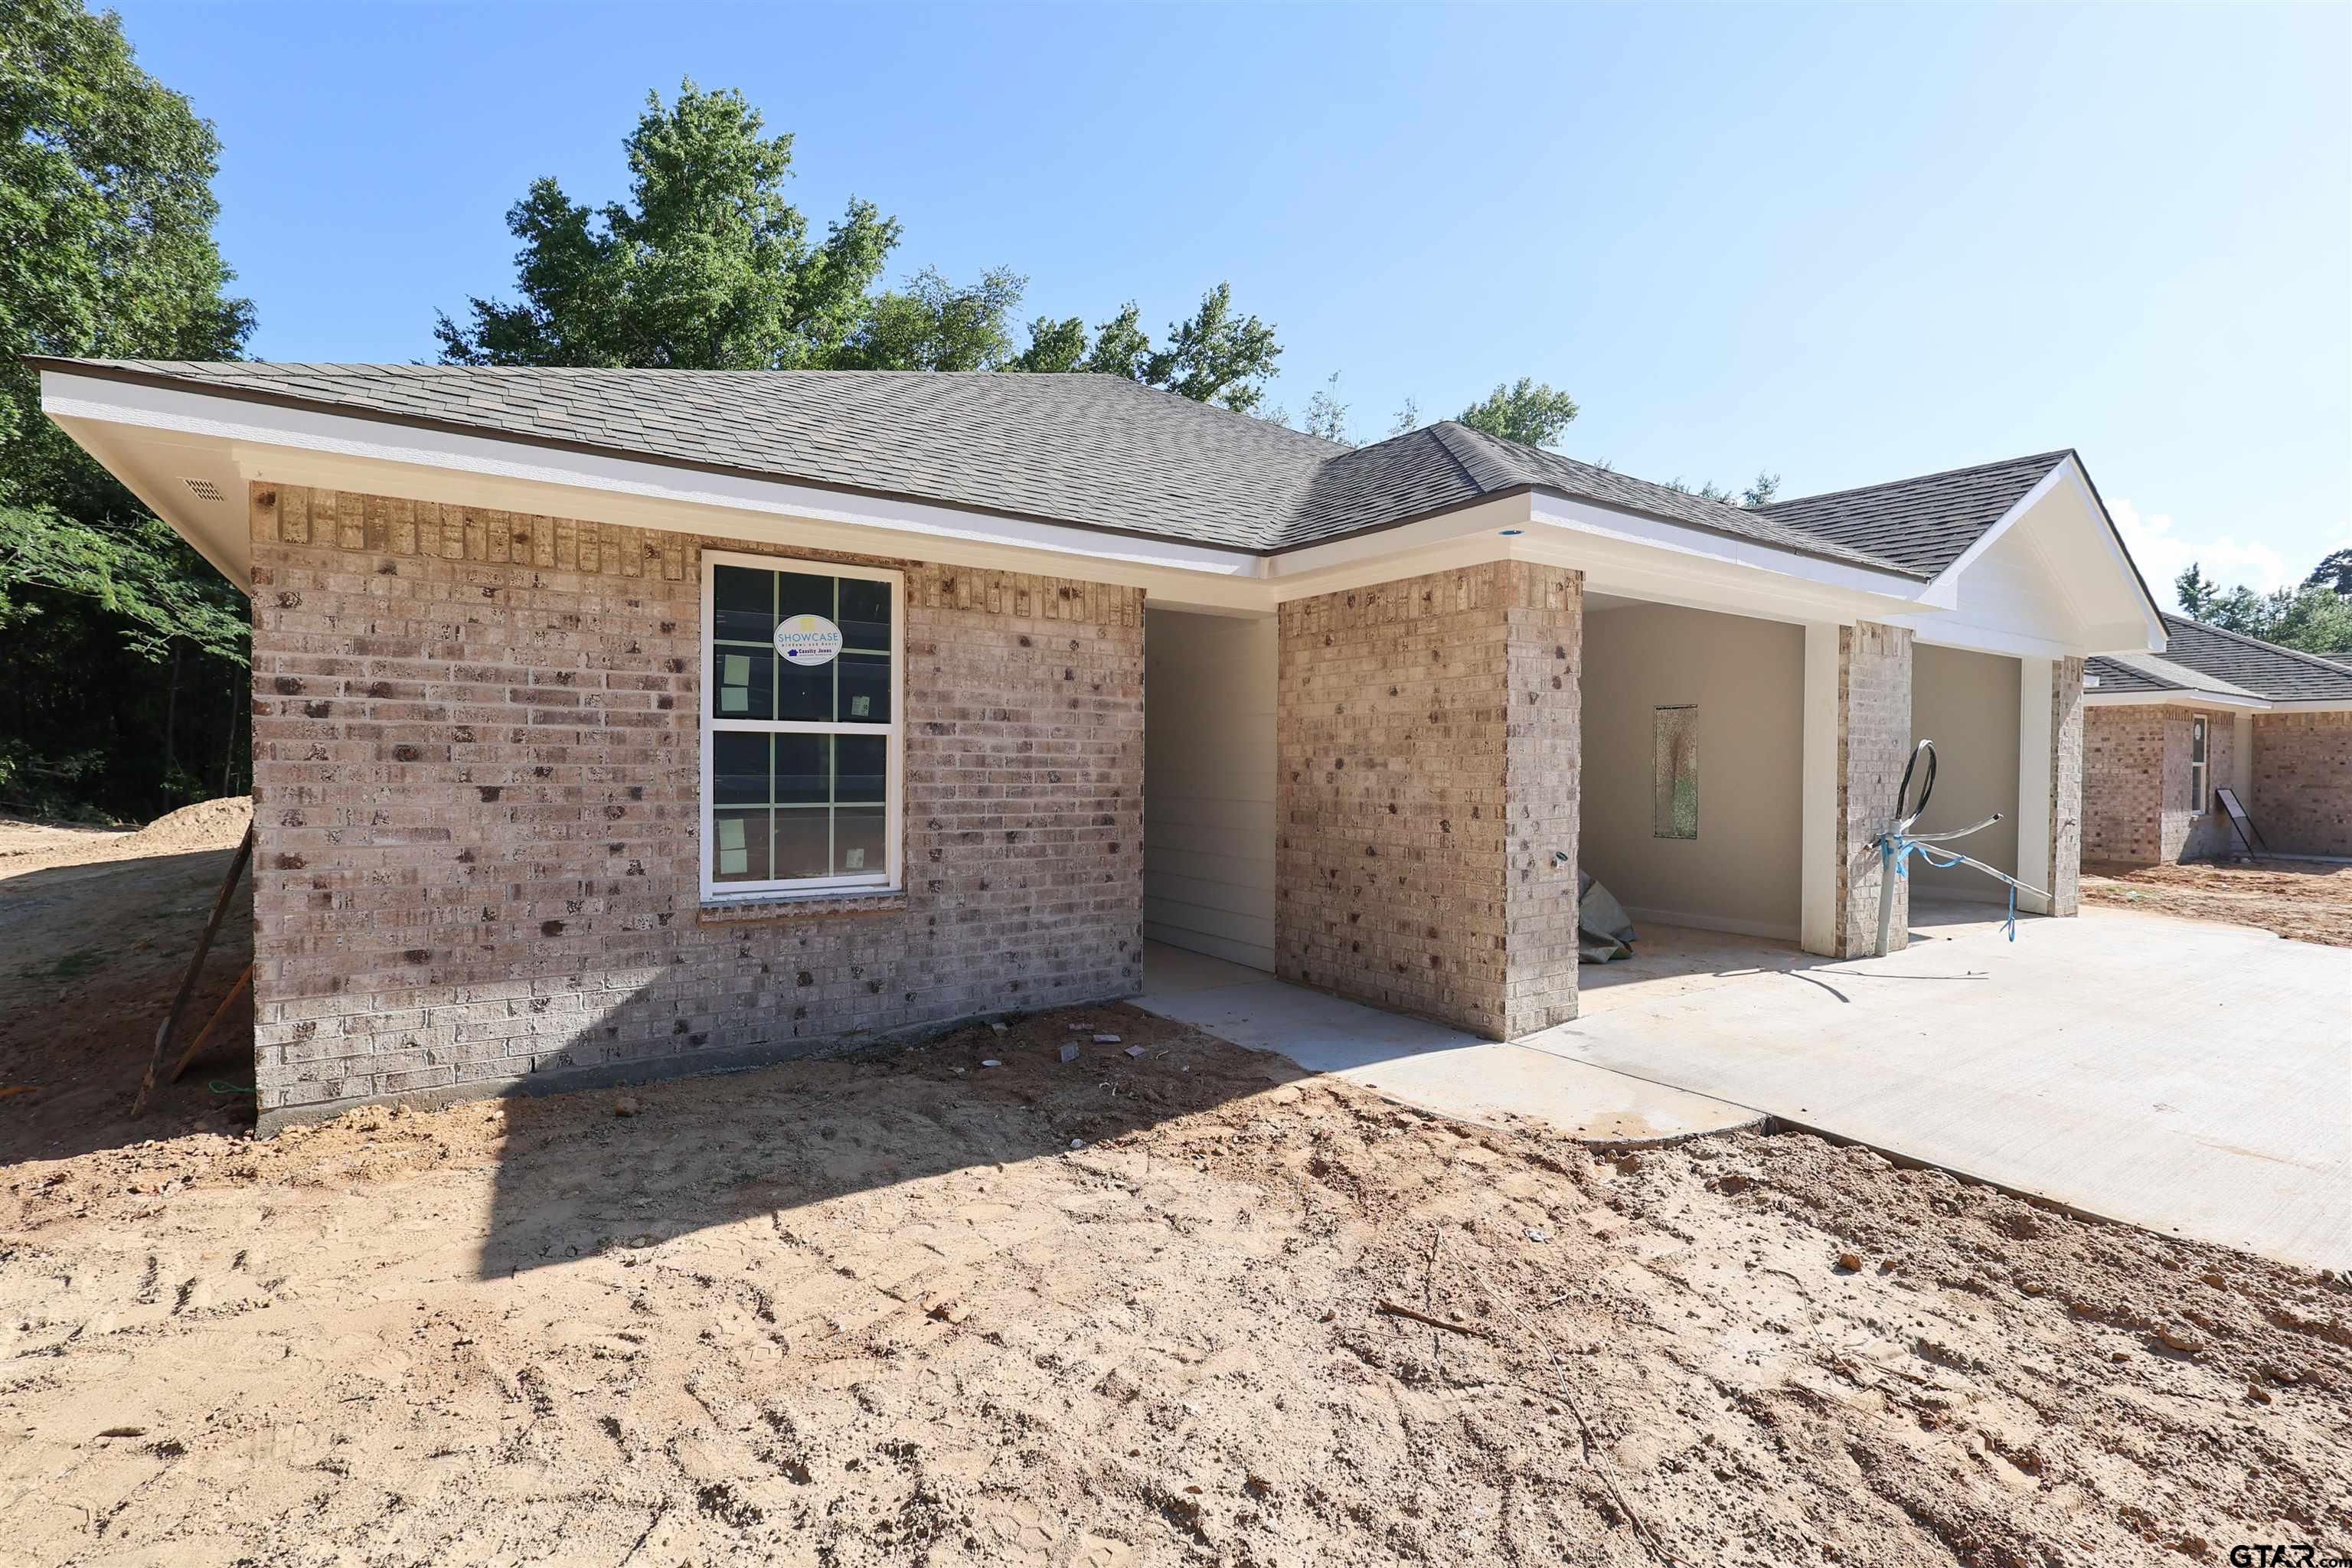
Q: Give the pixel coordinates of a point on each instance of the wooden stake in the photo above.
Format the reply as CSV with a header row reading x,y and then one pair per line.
x,y
196,965
212,1023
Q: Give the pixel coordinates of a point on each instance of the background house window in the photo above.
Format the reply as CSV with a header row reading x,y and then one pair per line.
x,y
2197,802
800,726
1674,761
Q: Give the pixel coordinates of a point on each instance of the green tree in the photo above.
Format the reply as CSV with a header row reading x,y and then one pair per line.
x,y
1326,416
2334,571
2312,617
2195,592
1529,412
707,266
1215,356
106,249
1122,346
1408,417
933,325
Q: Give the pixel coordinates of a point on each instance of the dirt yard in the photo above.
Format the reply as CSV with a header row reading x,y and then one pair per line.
x,y
1126,1308
97,926
2309,900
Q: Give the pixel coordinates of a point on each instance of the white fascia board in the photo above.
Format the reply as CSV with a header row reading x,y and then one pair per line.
x,y
2311,705
2102,697
286,445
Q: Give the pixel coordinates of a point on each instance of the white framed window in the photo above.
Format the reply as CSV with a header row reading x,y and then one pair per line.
x,y
2199,802
803,691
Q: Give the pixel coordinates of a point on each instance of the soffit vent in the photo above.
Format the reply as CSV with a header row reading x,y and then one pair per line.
x,y
203,489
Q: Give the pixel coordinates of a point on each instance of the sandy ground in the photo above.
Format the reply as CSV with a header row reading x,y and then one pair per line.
x,y
1120,1310
1125,1309
2309,900
96,928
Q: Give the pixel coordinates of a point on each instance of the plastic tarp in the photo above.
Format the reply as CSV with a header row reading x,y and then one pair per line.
x,y
1603,930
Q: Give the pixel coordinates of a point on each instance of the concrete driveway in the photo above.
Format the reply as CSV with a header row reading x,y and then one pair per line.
x,y
2190,1078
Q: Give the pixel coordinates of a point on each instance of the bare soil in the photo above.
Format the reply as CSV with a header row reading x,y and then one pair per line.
x,y
2308,901
1126,1308
96,927
1120,1310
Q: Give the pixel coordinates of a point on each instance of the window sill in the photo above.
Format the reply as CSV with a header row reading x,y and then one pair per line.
x,y
774,906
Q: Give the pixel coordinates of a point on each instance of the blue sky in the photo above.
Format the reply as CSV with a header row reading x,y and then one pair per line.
x,y
1846,244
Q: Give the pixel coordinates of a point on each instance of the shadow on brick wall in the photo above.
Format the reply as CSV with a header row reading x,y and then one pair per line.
x,y
907,1139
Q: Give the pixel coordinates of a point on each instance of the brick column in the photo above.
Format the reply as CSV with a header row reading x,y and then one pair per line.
x,y
2065,786
1428,770
1873,730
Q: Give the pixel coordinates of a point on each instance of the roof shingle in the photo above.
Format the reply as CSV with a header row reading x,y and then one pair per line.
x,y
1097,451
2199,657
1925,523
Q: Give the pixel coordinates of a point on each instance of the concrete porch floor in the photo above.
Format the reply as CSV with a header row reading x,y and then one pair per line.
x,y
2190,1078
1422,1063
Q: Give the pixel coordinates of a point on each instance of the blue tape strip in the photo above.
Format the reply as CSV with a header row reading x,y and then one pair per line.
x,y
1895,849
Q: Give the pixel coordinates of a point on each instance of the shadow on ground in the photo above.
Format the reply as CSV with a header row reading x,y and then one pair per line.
x,y
91,956
586,1173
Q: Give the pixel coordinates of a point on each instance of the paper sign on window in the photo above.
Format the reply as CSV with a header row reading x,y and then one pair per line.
x,y
805,641
734,859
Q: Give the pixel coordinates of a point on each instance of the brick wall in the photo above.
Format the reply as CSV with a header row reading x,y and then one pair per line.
x,y
2302,782
1873,744
476,766
2123,783
2137,785
1427,744
2067,766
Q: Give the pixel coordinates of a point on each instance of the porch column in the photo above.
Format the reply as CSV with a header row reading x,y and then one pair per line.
x,y
1428,770
1857,737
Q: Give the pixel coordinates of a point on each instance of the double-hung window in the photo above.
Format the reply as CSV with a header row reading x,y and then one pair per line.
x,y
801,727
2199,801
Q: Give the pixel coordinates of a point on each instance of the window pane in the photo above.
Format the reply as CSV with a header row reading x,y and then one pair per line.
x,y
742,603
2197,742
739,768
865,616
864,688
802,840
805,691
742,682
739,845
1674,813
804,767
857,841
802,594
861,769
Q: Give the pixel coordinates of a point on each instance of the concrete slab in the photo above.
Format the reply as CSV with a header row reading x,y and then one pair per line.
x,y
2192,1077
1425,1064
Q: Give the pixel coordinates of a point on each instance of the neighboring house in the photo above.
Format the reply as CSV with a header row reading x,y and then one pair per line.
x,y
609,724
2166,732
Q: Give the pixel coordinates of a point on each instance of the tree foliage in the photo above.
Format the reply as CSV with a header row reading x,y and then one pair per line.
x,y
106,249
2314,618
2334,571
1527,411
708,266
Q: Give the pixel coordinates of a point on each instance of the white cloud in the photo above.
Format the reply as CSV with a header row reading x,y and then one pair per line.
x,y
2164,552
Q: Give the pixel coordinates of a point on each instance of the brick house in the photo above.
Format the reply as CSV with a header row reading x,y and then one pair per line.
x,y
2164,732
611,723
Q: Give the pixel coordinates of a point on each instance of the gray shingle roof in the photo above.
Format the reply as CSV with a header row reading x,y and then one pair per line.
x,y
1096,451
2147,673
1925,523
2207,655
